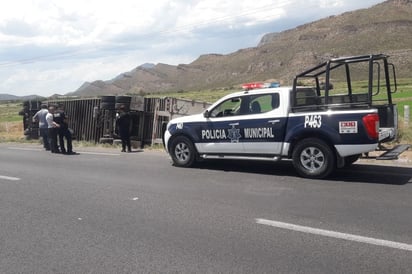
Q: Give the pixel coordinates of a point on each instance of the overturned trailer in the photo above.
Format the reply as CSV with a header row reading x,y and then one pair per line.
x,y
94,119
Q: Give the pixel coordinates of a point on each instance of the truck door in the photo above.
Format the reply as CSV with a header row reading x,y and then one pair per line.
x,y
263,129
221,134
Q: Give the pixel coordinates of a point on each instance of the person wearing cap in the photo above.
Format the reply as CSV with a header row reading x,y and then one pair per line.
x,y
123,123
40,117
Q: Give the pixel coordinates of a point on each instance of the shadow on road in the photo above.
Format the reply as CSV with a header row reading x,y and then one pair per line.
x,y
357,173
374,174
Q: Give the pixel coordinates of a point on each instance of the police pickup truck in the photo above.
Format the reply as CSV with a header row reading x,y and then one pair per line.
x,y
320,126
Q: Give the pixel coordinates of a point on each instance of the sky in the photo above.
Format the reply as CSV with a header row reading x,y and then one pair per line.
x,y
54,46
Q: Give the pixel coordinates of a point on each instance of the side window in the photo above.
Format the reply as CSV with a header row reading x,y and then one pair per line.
x,y
305,97
229,107
263,103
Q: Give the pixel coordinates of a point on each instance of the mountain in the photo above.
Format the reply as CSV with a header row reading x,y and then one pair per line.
x,y
9,97
383,28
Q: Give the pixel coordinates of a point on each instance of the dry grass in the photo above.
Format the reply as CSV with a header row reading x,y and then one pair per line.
x,y
405,132
12,132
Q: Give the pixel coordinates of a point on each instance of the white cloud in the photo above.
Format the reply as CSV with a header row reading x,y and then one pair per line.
x,y
51,47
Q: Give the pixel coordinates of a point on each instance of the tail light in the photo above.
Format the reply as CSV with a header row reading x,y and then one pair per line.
x,y
371,123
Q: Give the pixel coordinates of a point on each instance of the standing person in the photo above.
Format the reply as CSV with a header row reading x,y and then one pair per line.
x,y
53,128
40,117
123,123
61,119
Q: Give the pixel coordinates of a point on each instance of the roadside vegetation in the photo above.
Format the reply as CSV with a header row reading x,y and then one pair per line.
x,y
11,123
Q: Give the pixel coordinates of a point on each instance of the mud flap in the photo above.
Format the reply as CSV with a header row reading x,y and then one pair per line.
x,y
393,153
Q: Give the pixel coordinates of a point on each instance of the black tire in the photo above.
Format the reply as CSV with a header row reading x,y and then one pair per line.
x,y
123,100
32,104
106,105
108,102
126,106
108,99
349,160
313,158
182,151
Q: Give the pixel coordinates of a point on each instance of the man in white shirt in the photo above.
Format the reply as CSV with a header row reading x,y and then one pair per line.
x,y
40,117
53,130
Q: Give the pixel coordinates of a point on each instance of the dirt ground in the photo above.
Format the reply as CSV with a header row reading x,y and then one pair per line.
x,y
11,131
405,159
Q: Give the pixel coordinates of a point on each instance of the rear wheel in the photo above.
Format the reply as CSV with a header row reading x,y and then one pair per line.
x,y
313,158
182,151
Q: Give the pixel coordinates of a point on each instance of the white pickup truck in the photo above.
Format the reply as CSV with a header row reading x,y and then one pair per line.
x,y
318,126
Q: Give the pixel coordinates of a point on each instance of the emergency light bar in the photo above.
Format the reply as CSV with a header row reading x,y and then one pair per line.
x,y
256,85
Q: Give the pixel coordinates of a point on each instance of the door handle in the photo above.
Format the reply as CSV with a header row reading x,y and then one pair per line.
x,y
274,121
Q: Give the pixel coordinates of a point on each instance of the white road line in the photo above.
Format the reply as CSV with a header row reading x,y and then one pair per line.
x,y
334,234
9,178
25,148
99,153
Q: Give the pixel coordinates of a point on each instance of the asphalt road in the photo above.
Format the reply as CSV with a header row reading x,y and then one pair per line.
x,y
103,211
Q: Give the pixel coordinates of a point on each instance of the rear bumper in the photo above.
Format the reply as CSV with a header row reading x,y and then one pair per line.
x,y
387,134
347,150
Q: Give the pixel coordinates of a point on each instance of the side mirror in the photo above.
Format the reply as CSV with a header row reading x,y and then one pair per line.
x,y
206,114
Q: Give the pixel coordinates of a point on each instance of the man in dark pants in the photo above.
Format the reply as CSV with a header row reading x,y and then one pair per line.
x,y
64,133
123,128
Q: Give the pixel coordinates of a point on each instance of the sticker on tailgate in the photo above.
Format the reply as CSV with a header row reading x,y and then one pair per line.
x,y
348,127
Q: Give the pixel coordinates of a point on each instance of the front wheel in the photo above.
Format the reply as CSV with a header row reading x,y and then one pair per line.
x,y
313,158
182,151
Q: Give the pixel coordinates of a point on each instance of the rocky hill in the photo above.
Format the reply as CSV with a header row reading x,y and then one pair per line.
x,y
383,28
9,97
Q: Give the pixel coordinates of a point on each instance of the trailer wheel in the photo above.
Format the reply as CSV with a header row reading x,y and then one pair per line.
x,y
313,158
182,151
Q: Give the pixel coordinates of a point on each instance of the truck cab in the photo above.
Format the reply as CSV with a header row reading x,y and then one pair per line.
x,y
249,122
